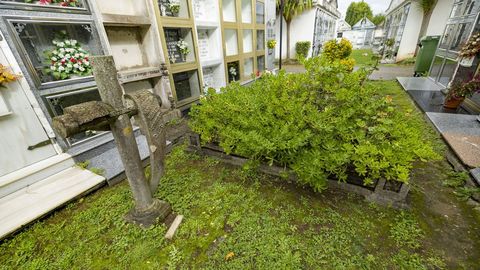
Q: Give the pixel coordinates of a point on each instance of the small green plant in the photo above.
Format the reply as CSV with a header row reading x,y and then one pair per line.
x,y
456,179
302,48
464,193
406,232
390,42
271,43
83,165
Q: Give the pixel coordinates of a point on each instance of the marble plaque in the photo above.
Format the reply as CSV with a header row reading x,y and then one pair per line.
x,y
203,47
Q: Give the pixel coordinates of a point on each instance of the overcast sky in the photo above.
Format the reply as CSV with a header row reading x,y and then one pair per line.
x,y
378,6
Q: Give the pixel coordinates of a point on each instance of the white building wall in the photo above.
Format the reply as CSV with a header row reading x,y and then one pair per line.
x,y
409,40
439,18
301,29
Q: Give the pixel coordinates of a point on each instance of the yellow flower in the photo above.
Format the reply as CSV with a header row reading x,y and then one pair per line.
x,y
389,99
229,256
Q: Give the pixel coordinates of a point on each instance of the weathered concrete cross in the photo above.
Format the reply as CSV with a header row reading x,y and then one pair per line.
x,y
111,113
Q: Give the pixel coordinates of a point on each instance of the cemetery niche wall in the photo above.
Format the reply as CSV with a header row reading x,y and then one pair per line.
x,y
180,47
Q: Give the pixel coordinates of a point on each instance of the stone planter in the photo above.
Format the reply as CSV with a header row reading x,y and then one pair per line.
x,y
388,193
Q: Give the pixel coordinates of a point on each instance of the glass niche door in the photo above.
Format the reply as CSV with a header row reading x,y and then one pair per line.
x,y
460,26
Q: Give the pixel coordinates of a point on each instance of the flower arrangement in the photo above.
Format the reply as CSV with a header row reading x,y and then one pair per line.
x,y
183,47
6,76
472,47
232,70
63,3
271,43
174,6
461,90
68,58
390,42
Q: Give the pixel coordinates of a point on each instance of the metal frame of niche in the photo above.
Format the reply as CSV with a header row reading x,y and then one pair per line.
x,y
239,27
175,68
11,21
36,14
449,54
10,4
49,100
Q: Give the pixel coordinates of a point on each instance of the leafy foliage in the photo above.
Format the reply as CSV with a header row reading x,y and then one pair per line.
x,y
231,222
427,5
357,11
302,48
341,51
378,19
323,123
292,8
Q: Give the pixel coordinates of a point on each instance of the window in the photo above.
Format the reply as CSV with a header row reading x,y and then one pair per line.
x,y
248,67
56,51
260,7
56,104
174,8
186,84
247,41
246,11
260,40
231,42
179,45
229,11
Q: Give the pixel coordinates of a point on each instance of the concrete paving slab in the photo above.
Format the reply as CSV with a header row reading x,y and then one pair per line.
x,y
466,147
419,84
455,123
462,133
391,72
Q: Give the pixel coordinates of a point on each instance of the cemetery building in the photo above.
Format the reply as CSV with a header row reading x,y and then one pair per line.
x,y
362,34
343,27
323,17
402,26
174,49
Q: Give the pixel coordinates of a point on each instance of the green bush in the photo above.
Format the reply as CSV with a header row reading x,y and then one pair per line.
x,y
341,51
302,48
323,124
334,50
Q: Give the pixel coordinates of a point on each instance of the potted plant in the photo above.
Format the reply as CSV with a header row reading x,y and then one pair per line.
x,y
459,91
6,76
271,45
470,50
174,7
184,50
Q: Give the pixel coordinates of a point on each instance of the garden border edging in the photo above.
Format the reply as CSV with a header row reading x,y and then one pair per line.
x,y
379,194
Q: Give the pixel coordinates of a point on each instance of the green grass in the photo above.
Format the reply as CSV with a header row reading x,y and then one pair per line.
x,y
363,57
237,219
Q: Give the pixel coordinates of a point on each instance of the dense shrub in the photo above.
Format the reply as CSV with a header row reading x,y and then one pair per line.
x,y
323,123
341,51
336,50
302,48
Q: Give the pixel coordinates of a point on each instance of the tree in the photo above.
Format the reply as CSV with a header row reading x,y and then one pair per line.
x,y
378,19
427,7
357,11
291,9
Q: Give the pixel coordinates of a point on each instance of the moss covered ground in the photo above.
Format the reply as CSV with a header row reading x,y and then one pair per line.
x,y
238,219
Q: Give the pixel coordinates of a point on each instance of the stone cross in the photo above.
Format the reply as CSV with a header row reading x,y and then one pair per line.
x,y
113,113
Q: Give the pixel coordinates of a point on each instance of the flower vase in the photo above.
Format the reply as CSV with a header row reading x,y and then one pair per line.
x,y
184,58
453,102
